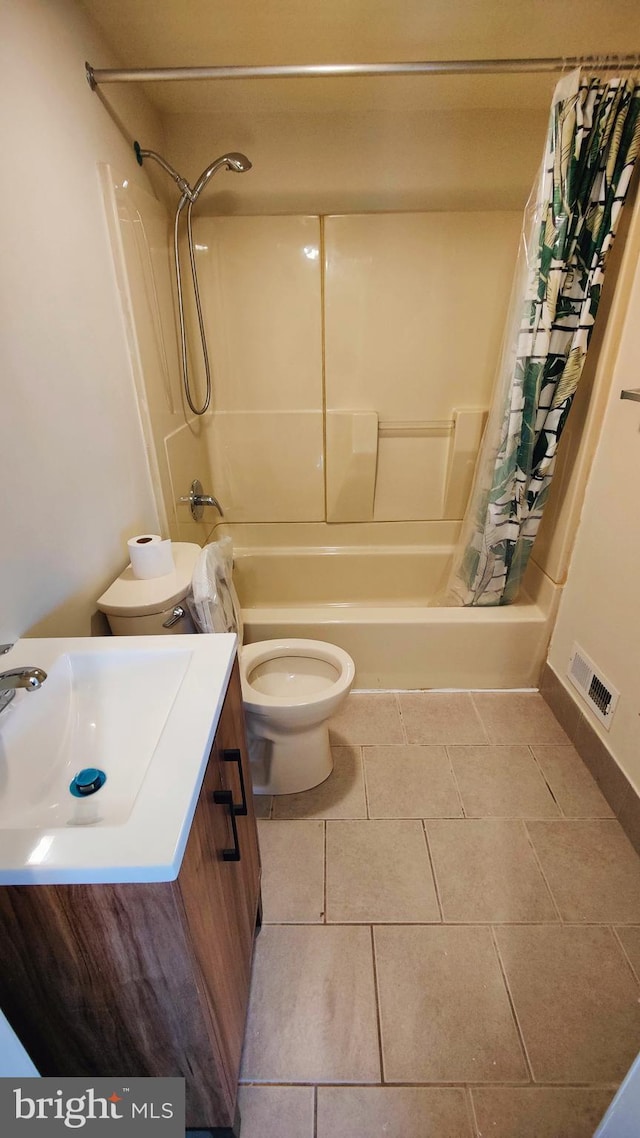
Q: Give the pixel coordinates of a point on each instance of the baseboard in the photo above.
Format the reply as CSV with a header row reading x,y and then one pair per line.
x,y
614,784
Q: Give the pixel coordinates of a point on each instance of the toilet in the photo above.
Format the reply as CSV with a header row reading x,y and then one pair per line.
x,y
290,687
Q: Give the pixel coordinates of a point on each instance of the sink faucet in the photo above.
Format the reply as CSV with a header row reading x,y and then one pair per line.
x,y
29,678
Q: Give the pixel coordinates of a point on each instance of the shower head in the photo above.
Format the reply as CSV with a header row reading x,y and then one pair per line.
x,y
234,161
239,163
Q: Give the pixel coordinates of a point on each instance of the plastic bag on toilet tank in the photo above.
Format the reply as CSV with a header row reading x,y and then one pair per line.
x,y
213,601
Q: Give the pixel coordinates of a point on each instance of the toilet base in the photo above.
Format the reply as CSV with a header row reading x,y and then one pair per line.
x,y
289,764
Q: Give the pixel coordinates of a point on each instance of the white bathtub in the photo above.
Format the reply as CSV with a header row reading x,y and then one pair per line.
x,y
374,601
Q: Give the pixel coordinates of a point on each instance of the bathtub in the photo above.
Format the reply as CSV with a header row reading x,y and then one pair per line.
x,y
375,602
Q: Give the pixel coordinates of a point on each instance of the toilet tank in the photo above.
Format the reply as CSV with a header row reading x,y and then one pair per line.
x,y
142,608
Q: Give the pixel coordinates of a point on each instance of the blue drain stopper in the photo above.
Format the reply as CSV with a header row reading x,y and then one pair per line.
x,y
87,781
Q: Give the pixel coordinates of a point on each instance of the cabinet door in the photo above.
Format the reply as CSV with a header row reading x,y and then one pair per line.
x,y
233,756
220,898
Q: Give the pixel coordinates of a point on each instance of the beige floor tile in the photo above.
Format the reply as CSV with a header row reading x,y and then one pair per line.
x,y
575,791
630,938
339,796
292,856
539,1112
518,717
487,871
441,717
312,1013
575,999
501,782
592,869
379,872
445,1014
262,805
395,1112
367,719
277,1112
410,782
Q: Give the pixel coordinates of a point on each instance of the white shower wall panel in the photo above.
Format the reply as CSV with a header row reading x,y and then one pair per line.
x,y
260,279
400,315
415,309
141,239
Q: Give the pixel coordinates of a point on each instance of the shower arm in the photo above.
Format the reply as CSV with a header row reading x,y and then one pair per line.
x,y
181,182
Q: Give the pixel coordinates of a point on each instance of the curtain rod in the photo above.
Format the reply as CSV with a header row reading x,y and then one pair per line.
x,y
96,76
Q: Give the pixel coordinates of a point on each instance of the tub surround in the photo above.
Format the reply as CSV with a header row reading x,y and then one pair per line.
x,y
338,358
342,389
412,333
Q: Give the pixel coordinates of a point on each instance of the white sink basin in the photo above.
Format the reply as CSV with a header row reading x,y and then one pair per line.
x,y
143,710
94,710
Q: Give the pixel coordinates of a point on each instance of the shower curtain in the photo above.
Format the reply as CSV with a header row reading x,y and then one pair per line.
x,y
570,224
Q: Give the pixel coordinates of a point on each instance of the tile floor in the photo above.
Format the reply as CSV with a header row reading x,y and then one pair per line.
x,y
451,946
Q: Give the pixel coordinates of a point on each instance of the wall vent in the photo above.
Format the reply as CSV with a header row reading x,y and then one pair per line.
x,y
595,689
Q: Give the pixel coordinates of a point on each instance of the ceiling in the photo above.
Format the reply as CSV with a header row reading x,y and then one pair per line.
x,y
173,33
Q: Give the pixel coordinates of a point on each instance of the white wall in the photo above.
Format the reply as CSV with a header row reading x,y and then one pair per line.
x,y
359,161
74,480
600,606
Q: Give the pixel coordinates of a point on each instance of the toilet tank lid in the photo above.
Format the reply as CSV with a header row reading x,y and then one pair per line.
x,y
128,596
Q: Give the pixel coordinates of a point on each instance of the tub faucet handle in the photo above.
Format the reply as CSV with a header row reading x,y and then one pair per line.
x,y
197,501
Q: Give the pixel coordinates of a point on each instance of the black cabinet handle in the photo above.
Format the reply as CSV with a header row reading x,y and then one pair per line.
x,y
225,798
233,755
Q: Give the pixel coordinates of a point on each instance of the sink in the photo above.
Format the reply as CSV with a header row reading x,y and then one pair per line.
x,y
141,709
94,710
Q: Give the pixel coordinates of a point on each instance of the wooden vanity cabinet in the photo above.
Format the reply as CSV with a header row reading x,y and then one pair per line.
x,y
148,979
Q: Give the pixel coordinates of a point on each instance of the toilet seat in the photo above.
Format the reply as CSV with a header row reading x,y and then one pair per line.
x,y
284,686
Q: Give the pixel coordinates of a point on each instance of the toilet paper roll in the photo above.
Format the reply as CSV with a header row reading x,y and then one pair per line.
x,y
151,556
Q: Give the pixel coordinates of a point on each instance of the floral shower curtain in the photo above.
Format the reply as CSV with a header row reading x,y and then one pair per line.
x,y
592,145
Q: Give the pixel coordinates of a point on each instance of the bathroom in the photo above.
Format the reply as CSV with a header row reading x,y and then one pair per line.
x,y
90,457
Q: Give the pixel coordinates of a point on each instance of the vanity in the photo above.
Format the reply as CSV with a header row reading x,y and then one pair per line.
x,y
126,934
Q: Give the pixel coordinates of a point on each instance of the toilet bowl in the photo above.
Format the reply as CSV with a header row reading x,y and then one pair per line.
x,y
290,690
290,687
